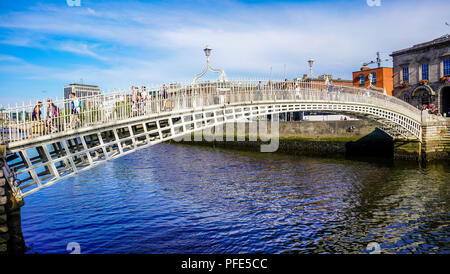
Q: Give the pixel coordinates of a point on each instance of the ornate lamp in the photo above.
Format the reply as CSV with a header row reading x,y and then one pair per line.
x,y
222,77
207,51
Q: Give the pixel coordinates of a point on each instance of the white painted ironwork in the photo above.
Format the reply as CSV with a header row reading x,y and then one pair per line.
x,y
222,75
40,157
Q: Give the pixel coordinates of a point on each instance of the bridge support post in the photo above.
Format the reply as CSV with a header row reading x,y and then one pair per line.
x,y
11,238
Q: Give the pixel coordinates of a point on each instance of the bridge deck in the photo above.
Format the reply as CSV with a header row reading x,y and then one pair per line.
x,y
44,151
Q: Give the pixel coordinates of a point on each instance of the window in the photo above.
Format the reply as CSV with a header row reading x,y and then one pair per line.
x,y
374,78
447,67
361,79
425,72
405,74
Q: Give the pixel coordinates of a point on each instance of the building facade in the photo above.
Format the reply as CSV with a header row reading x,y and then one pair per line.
x,y
422,74
81,90
322,78
381,78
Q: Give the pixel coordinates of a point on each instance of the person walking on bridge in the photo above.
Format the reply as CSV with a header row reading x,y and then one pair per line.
x,y
144,99
165,95
75,109
259,92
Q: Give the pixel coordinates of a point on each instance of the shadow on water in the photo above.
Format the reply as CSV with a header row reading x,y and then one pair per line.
x,y
375,144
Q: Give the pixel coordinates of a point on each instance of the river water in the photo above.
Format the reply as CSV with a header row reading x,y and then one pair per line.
x,y
187,199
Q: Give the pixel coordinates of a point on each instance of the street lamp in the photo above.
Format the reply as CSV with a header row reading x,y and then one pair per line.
x,y
207,51
222,76
310,62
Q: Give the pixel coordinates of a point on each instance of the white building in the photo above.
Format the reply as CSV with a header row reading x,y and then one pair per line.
x,y
81,90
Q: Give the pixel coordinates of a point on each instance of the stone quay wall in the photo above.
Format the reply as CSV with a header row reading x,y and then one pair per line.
x,y
314,138
436,140
344,138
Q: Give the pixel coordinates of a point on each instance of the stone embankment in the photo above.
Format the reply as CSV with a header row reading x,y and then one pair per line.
x,y
319,138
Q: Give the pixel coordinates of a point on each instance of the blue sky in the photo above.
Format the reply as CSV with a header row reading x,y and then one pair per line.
x,y
45,45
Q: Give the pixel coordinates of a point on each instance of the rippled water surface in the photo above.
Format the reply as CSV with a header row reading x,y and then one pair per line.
x,y
186,199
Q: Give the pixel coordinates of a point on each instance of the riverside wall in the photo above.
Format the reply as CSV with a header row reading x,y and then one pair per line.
x,y
339,138
320,138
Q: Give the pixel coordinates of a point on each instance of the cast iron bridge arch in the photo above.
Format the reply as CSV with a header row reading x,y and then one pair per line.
x,y
116,124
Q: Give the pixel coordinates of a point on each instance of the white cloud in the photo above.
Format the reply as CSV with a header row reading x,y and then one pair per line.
x,y
142,43
9,58
78,48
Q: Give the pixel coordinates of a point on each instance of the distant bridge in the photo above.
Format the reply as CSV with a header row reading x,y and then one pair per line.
x,y
41,153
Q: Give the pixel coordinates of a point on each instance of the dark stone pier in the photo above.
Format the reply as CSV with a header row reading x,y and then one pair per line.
x,y
11,238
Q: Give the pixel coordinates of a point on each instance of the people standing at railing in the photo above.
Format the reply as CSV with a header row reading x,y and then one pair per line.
x,y
75,110
36,114
330,87
165,95
139,100
285,87
52,113
36,123
134,101
144,99
297,92
259,92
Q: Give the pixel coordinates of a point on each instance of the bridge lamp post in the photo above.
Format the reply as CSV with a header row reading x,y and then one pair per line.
x,y
222,76
207,51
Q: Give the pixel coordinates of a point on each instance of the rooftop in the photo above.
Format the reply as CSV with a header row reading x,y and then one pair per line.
x,y
439,41
367,69
83,85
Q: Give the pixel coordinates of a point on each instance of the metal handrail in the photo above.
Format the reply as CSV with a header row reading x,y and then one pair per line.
x,y
17,124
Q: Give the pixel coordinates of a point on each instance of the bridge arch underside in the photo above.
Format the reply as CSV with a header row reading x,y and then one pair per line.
x,y
49,161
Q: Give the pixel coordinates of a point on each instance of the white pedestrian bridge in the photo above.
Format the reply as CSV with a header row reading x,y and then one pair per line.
x,y
45,151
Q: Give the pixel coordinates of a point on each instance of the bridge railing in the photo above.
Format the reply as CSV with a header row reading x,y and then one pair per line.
x,y
28,121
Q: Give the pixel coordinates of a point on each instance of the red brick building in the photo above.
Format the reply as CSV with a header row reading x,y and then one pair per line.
x,y
381,78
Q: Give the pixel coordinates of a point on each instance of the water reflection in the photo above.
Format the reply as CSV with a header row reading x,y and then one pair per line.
x,y
184,199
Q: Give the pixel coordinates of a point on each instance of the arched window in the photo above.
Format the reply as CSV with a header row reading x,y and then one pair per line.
x,y
426,97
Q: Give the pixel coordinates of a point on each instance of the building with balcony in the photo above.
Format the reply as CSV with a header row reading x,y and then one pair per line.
x,y
422,74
